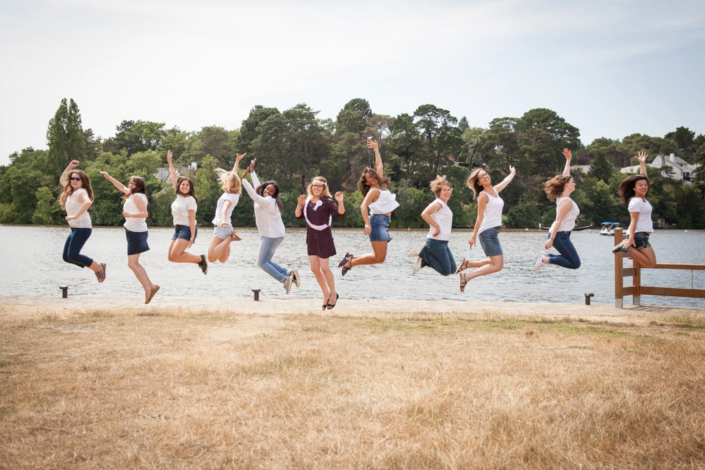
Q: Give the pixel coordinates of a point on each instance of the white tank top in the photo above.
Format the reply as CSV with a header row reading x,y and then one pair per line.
x,y
568,222
135,224
493,212
386,202
444,219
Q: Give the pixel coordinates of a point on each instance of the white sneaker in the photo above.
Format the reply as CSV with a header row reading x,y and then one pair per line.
x,y
414,253
297,279
287,283
540,262
620,247
417,266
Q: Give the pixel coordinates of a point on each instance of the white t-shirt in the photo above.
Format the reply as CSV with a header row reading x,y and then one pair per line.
x,y
267,216
73,205
233,198
180,208
444,219
135,224
642,206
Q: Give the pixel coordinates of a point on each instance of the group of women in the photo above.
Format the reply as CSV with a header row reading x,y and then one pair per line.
x,y
318,207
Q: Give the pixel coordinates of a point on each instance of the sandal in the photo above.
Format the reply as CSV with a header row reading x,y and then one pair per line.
x,y
234,236
348,257
332,306
101,274
463,266
152,291
325,305
463,282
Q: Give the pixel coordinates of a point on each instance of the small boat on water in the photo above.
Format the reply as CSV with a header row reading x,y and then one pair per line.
x,y
608,228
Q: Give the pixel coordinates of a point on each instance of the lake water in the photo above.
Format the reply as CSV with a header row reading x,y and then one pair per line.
x,y
32,265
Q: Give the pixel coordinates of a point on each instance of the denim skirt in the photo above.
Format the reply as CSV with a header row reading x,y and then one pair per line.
x,y
489,240
183,232
379,223
136,242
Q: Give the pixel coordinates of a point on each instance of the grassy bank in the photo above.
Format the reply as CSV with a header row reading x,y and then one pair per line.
x,y
184,389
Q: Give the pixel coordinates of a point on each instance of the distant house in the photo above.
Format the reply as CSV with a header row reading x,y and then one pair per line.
x,y
162,174
580,168
679,168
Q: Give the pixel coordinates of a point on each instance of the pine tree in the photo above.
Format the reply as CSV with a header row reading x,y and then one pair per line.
x,y
64,137
600,167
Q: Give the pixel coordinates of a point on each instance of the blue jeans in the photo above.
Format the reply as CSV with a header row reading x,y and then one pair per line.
x,y
568,257
267,247
437,255
74,243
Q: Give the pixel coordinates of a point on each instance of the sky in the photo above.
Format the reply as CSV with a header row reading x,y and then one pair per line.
x,y
610,68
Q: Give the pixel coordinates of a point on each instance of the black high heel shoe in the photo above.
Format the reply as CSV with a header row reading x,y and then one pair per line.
x,y
332,306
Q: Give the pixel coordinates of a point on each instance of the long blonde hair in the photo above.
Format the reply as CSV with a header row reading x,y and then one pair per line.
x,y
474,181
325,192
230,181
68,189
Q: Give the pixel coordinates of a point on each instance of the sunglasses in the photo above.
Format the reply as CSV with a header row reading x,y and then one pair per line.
x,y
75,179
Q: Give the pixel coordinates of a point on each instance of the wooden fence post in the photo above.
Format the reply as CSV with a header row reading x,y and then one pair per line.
x,y
618,273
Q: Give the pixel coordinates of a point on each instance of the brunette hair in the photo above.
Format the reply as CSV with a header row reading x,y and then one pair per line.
x,y
230,181
437,185
140,186
68,189
554,187
474,181
191,190
364,186
626,187
260,190
325,192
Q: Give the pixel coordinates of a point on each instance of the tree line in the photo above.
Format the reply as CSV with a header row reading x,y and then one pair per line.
x,y
294,145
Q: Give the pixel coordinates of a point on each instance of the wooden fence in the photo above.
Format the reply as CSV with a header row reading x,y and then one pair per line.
x,y
637,290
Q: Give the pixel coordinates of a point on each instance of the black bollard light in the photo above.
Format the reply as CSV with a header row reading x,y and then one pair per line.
x,y
256,291
64,292
587,297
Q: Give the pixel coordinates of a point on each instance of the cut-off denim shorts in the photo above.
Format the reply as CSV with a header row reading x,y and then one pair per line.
x,y
136,242
222,232
641,240
489,240
379,223
183,232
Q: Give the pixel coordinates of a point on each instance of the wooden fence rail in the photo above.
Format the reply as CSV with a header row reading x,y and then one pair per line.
x,y
636,290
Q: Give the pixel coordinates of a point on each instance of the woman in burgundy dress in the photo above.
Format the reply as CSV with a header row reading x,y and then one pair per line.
x,y
318,210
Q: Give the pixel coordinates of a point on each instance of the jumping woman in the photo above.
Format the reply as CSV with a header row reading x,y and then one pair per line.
x,y
318,209
438,215
268,217
223,233
487,225
76,198
135,213
183,209
559,188
633,191
381,203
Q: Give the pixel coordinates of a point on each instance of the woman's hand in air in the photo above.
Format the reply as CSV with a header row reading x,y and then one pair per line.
x,y
339,196
301,200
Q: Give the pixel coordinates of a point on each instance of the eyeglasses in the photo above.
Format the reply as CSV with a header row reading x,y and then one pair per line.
x,y
318,185
75,179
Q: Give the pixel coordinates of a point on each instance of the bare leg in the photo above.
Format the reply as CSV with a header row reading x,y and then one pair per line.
x,y
379,255
226,254
133,262
328,274
487,266
95,267
320,277
217,247
646,257
177,252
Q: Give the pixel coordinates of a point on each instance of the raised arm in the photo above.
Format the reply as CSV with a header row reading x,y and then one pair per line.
x,y
427,214
64,180
379,167
238,158
507,180
568,156
642,162
255,180
267,203
172,171
341,205
115,182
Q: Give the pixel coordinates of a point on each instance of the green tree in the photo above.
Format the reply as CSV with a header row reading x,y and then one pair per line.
x,y
600,167
48,209
463,124
138,136
612,150
207,189
65,138
542,136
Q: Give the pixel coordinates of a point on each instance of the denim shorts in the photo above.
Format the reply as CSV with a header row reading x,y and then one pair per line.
x,y
136,242
222,232
489,239
183,232
641,240
380,228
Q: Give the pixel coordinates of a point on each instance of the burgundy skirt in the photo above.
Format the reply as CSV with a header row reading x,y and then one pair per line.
x,y
320,243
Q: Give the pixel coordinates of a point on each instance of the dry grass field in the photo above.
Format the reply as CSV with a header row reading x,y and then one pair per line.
x,y
184,389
